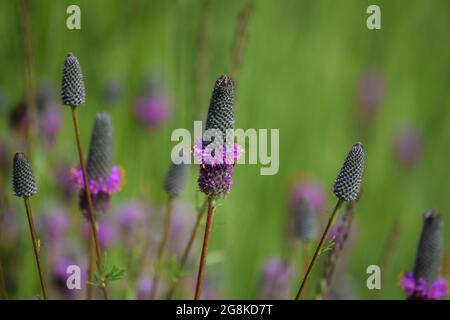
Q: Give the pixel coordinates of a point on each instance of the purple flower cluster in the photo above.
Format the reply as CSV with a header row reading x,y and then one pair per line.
x,y
420,289
100,186
216,170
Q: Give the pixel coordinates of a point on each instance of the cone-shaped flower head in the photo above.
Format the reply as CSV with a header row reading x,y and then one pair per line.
x,y
424,283
305,221
429,251
215,179
221,108
72,85
99,162
176,179
348,181
24,184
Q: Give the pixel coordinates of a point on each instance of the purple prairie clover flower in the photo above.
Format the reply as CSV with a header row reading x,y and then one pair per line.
x,y
181,224
130,215
419,289
105,231
60,276
370,92
64,180
56,224
408,146
50,123
151,110
144,287
109,186
104,179
425,283
310,191
277,280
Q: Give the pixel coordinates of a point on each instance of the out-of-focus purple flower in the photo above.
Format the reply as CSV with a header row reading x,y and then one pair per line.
x,y
105,231
152,110
130,215
64,180
421,290
112,90
312,192
112,185
50,123
9,224
56,224
277,280
60,276
181,225
144,288
370,93
408,146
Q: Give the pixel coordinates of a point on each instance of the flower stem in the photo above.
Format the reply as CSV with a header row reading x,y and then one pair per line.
x,y
90,209
91,265
305,256
201,268
35,246
162,245
318,249
188,248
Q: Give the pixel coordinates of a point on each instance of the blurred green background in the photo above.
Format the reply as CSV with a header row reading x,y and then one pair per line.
x,y
302,64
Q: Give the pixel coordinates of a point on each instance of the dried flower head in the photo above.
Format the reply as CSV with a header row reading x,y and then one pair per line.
x,y
24,184
72,85
348,181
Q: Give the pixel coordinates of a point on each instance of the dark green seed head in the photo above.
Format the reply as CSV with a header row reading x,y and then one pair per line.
x,y
24,184
72,84
100,155
429,251
348,181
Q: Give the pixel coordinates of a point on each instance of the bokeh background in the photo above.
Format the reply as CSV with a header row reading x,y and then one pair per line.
x,y
308,68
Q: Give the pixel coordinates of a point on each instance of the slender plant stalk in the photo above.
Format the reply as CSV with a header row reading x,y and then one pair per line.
x,y
187,249
3,290
35,246
162,246
343,231
90,209
240,38
318,249
305,256
29,67
91,266
201,268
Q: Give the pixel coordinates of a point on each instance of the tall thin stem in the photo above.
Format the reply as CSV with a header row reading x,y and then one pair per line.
x,y
91,265
35,246
201,268
162,245
188,248
305,256
319,248
90,209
